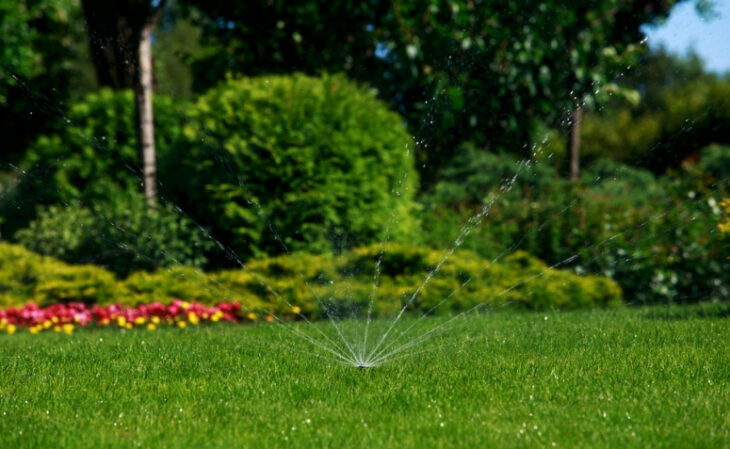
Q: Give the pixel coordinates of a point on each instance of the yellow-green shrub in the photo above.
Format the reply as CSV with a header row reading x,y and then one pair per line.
x,y
318,284
189,284
26,276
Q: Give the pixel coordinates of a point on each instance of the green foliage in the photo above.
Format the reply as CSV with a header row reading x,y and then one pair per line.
x,y
624,184
24,44
659,72
122,237
321,285
326,285
306,163
191,284
428,58
29,277
42,50
682,110
259,38
59,232
715,162
472,173
724,225
176,40
618,134
655,237
92,158
695,115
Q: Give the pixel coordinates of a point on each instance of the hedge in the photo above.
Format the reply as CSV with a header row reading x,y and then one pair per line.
x,y
342,284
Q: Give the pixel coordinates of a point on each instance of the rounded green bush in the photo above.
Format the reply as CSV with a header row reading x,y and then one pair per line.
x,y
294,162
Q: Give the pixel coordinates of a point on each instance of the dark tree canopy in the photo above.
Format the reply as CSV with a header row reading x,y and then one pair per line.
x,y
459,70
41,48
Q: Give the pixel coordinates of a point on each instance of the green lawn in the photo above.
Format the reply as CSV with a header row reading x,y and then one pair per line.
x,y
619,378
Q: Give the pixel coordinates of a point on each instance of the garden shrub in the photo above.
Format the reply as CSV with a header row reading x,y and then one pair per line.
x,y
716,163
655,236
29,277
320,284
294,161
123,237
344,284
93,157
619,134
623,183
472,173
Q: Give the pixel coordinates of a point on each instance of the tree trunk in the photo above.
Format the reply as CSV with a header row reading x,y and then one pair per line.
x,y
119,36
575,144
145,118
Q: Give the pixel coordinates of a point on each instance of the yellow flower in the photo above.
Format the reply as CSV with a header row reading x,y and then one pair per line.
x,y
54,319
139,320
34,329
68,329
121,321
251,316
296,310
155,320
182,324
193,318
129,326
3,322
56,328
185,305
11,329
216,316
151,327
47,324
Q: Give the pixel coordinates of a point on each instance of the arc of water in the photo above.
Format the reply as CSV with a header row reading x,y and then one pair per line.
x,y
229,253
462,285
335,349
278,238
465,231
381,356
374,290
377,271
233,257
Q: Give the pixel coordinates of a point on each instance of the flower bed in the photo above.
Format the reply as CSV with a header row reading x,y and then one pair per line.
x,y
67,317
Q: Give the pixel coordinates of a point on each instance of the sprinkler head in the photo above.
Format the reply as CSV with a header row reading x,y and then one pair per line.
x,y
362,364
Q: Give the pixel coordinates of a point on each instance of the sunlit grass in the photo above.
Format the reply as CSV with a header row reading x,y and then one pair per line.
x,y
622,378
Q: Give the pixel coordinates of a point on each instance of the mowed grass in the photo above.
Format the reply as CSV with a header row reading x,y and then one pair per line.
x,y
600,379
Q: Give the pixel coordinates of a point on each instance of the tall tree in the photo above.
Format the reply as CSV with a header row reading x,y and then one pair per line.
x,y
119,35
459,70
